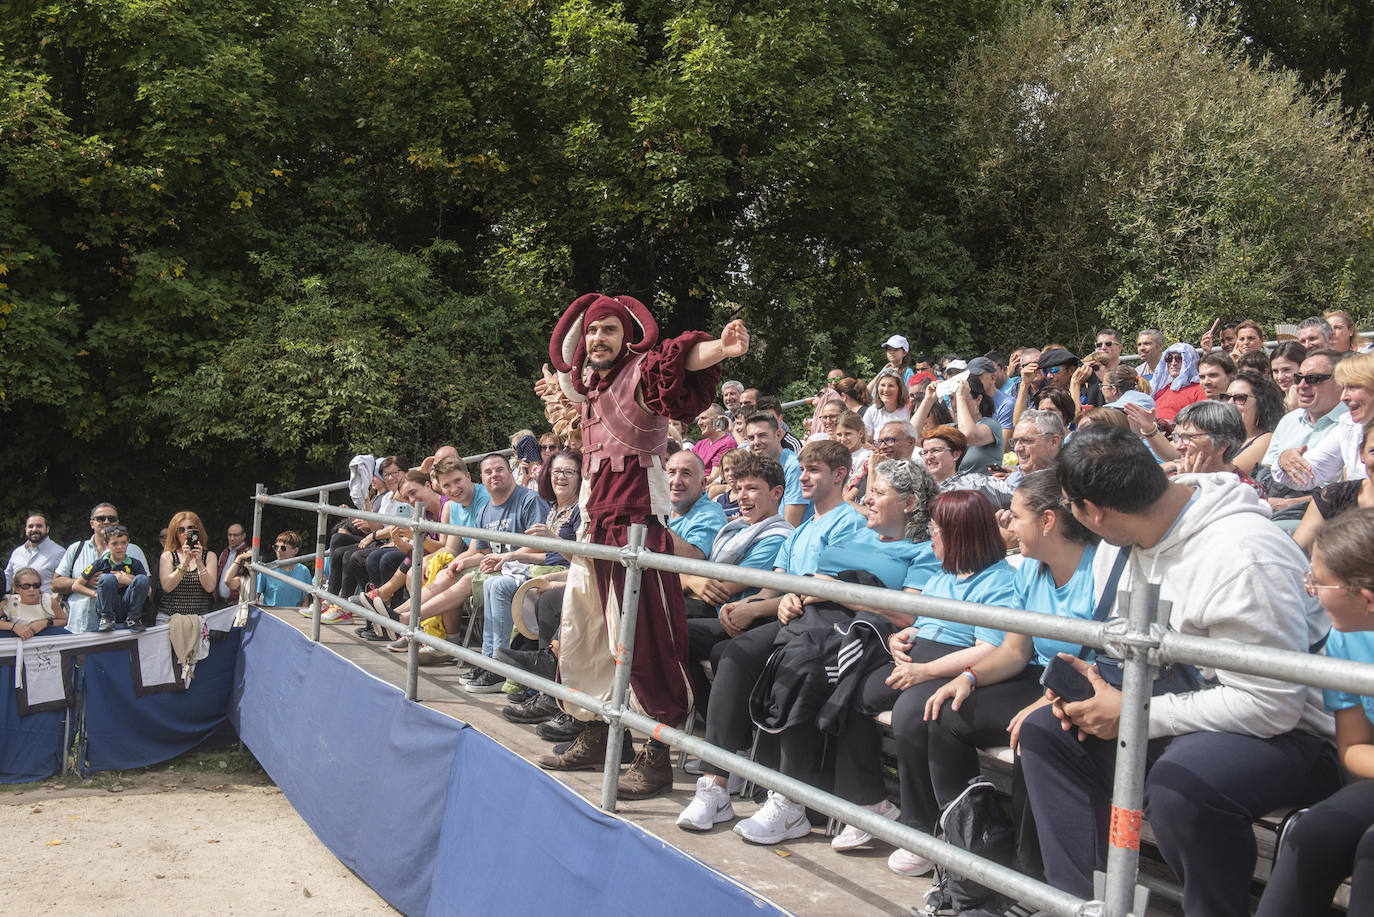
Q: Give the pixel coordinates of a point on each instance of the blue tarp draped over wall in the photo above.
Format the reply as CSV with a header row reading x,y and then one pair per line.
x,y
125,731
30,746
317,723
477,830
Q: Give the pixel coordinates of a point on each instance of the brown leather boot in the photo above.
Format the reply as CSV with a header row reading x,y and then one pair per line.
x,y
587,752
650,775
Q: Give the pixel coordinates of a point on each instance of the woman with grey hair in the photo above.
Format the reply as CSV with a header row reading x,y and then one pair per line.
x,y
1209,435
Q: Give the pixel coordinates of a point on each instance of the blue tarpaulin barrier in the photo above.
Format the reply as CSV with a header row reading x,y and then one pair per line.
x,y
465,826
125,731
30,746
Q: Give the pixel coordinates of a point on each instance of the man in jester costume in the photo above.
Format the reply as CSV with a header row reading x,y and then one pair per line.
x,y
624,385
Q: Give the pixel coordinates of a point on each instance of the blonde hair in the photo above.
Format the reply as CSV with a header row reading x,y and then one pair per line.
x,y
1357,369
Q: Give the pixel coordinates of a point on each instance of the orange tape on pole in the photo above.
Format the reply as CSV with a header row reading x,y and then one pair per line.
x,y
257,541
1124,832
658,733
319,563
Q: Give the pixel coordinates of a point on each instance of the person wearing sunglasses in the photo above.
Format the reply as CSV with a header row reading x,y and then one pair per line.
x,y
187,572
1175,383
30,609
81,616
1260,402
1335,838
1340,452
272,592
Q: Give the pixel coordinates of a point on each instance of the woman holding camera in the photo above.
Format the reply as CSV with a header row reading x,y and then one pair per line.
x,y
186,572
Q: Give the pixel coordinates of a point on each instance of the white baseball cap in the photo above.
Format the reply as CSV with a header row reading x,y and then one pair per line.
x,y
897,341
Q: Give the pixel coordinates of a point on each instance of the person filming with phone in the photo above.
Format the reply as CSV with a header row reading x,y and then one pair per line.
x,y
1224,748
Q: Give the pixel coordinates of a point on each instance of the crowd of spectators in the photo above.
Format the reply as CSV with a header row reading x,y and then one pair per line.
x,y
1038,479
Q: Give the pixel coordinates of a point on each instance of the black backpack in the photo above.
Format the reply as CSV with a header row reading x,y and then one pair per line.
x,y
977,821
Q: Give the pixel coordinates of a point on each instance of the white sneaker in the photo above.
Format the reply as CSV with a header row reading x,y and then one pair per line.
x,y
852,837
906,863
778,820
696,767
336,616
710,806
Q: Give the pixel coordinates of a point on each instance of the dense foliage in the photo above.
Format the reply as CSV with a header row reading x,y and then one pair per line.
x,y
240,241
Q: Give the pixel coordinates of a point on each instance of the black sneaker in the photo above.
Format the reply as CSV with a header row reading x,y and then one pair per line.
x,y
537,662
539,709
562,728
106,625
135,625
486,683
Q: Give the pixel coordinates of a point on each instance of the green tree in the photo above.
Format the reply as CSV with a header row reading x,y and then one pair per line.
x,y
1125,163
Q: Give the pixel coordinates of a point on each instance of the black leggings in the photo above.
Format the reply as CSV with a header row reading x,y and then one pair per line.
x,y
858,758
1332,840
341,544
548,613
981,722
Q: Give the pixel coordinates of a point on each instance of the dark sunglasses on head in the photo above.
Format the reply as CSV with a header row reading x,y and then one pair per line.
x,y
1239,399
1311,378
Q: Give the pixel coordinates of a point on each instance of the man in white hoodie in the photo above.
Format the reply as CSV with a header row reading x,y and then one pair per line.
x,y
1234,748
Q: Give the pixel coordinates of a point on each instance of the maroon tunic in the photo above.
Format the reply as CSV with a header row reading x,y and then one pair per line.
x,y
618,498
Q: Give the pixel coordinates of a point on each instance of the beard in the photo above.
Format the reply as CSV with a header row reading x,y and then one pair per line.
x,y
37,537
601,365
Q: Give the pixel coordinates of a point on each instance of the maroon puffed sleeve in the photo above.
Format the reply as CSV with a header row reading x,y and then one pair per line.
x,y
669,388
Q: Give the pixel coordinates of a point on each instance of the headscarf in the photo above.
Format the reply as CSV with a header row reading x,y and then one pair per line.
x,y
1186,376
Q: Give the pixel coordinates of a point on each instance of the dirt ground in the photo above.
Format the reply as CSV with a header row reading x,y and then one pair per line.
x,y
164,841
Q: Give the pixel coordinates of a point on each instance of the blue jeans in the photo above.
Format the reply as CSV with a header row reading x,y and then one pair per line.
x,y
497,619
120,603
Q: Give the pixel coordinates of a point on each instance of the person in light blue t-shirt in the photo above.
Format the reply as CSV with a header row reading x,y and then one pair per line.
x,y
984,706
966,539
696,517
764,437
1335,838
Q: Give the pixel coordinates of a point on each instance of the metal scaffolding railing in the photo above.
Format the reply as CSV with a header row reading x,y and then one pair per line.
x,y
1141,640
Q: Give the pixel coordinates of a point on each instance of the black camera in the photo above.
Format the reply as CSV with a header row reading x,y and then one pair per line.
x,y
192,538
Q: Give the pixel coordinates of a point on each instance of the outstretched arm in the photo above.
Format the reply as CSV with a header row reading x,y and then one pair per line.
x,y
733,342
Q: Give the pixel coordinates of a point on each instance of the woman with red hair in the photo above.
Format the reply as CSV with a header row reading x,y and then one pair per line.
x,y
187,572
966,540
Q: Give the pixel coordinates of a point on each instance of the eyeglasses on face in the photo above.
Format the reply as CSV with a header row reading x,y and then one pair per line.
x,y
27,585
1173,358
1027,439
1309,582
1239,399
934,450
1188,438
562,472
1313,379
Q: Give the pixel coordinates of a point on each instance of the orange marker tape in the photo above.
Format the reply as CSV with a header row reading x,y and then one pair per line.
x,y
319,563
658,733
257,541
1124,832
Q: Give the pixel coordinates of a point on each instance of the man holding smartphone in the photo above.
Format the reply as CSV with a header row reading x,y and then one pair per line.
x,y
1220,755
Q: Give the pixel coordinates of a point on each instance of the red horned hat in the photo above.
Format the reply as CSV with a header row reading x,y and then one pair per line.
x,y
568,349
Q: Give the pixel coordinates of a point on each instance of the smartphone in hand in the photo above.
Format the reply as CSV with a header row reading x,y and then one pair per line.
x,y
1065,681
